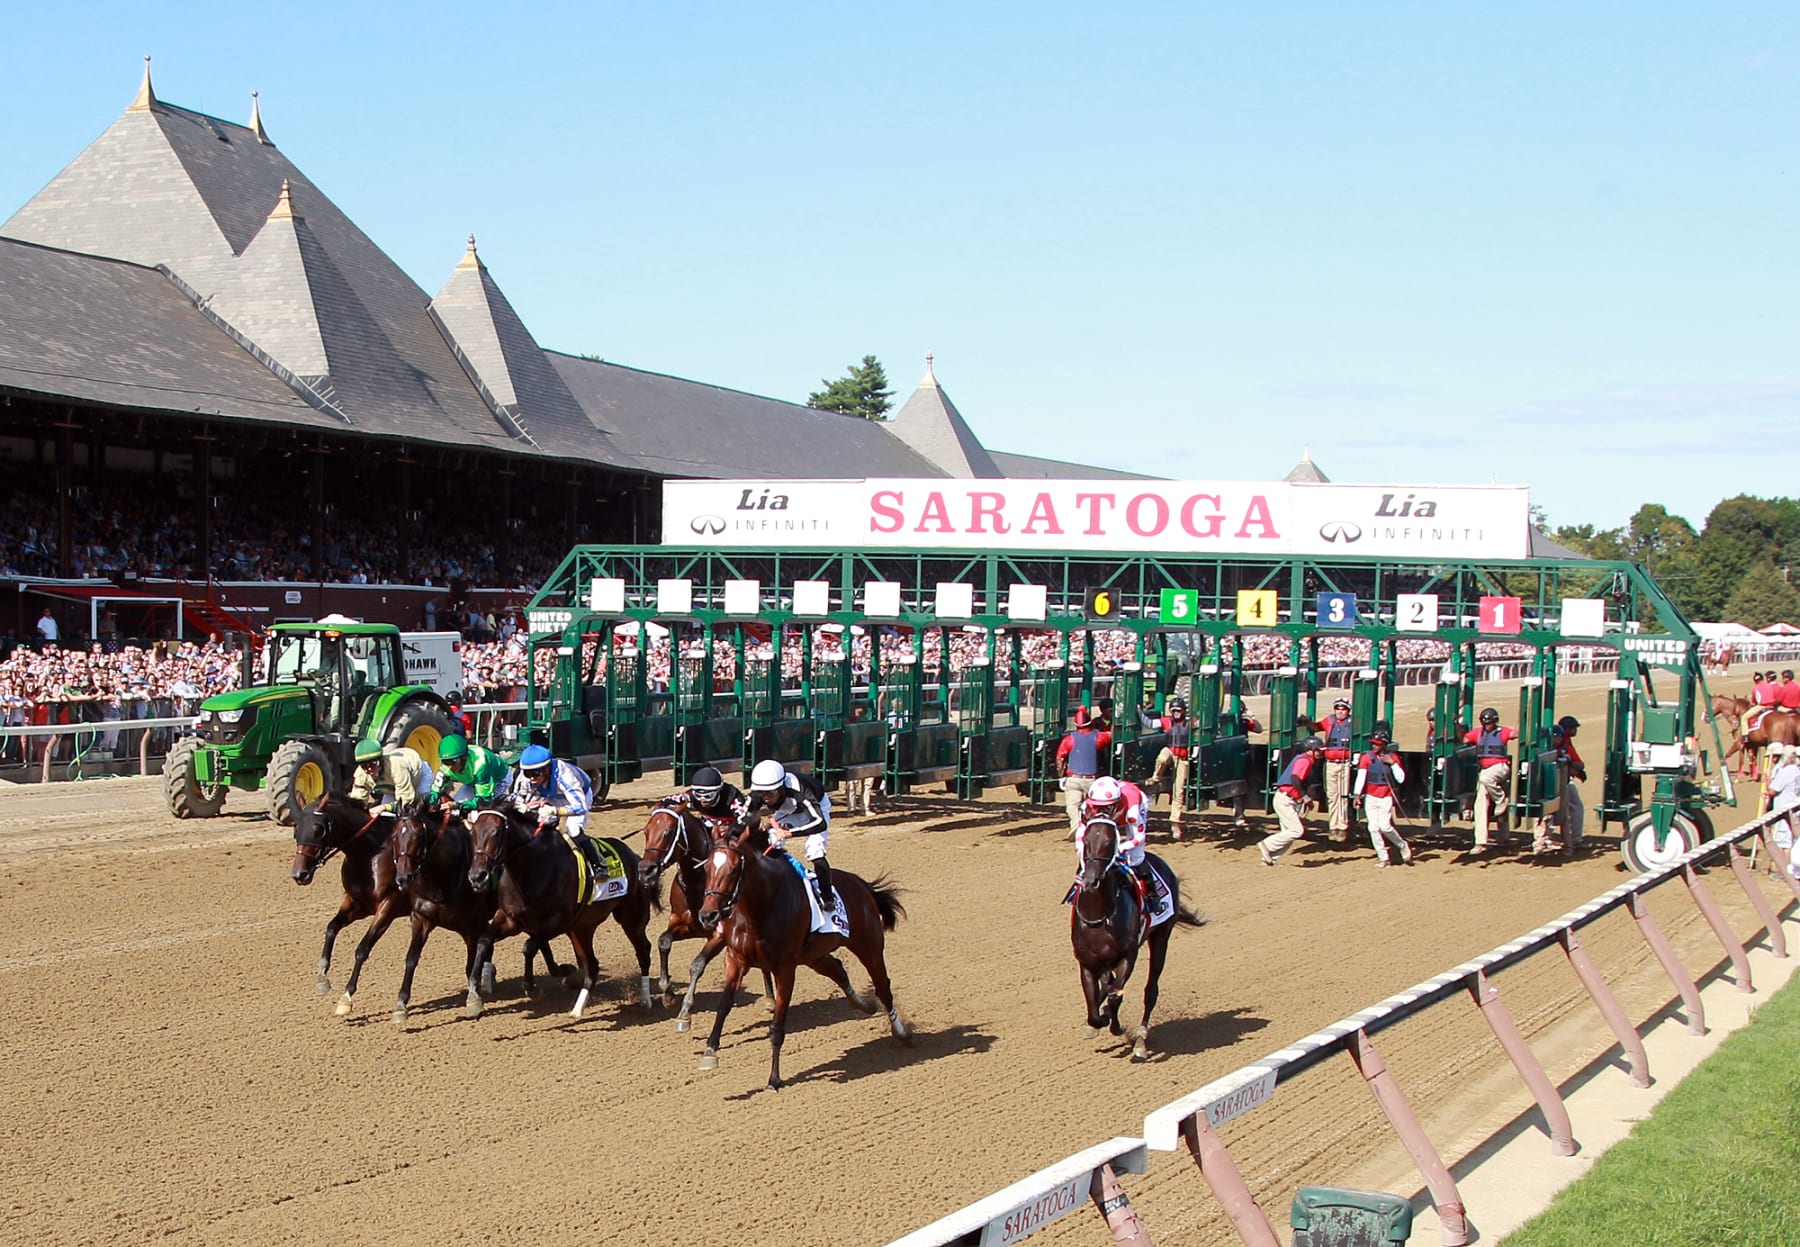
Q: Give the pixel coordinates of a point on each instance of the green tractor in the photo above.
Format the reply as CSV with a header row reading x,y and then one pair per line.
x,y
329,684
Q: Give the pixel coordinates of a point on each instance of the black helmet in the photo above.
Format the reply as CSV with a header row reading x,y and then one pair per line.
x,y
1431,715
1490,715
1380,737
1311,743
706,784
1568,723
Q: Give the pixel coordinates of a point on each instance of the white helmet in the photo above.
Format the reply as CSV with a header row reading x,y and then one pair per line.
x,y
768,776
1104,791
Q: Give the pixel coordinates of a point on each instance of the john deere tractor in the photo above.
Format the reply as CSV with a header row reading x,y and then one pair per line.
x,y
329,685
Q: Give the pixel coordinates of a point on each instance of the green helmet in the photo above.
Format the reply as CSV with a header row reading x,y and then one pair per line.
x,y
368,751
452,747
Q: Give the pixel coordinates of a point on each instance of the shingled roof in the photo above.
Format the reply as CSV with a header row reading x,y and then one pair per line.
x,y
931,425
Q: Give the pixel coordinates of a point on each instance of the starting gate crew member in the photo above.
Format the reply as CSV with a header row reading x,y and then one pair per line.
x,y
1781,791
1174,756
1377,772
1490,740
1573,816
1338,765
1250,727
1787,693
399,775
796,805
1127,808
1290,799
711,797
559,791
1078,760
470,774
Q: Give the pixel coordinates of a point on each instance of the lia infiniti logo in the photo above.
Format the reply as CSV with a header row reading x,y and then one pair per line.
x,y
1340,530
707,525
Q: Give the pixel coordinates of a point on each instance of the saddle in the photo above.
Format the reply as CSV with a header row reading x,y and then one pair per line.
x,y
601,874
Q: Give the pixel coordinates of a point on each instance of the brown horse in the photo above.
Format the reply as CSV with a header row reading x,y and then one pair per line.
x,y
1106,926
539,885
335,825
1777,727
680,837
760,900
432,855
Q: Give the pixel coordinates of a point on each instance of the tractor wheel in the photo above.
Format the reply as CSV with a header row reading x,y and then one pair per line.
x,y
299,773
421,727
186,795
1639,842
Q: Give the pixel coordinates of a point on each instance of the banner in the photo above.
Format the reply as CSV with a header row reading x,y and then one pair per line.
x,y
1123,516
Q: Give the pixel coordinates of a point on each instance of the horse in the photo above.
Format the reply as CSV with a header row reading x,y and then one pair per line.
x,y
432,856
538,883
1107,928
758,898
1777,727
680,837
336,824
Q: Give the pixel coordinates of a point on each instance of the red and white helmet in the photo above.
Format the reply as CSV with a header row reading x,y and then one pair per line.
x,y
1104,792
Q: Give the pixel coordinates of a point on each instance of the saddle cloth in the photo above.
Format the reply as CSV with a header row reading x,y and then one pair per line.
x,y
1162,904
610,883
1755,717
837,922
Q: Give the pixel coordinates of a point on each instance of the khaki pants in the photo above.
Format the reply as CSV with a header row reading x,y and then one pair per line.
x,y
1490,799
1287,813
1339,789
1075,791
1165,761
1379,811
856,795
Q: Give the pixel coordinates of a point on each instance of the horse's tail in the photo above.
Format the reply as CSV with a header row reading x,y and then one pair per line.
x,y
1185,917
887,900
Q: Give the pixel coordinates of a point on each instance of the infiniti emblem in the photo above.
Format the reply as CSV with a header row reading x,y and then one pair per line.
x,y
707,525
1340,530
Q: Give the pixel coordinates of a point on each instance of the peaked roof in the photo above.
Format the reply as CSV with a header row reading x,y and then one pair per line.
x,y
499,353
1307,471
931,425
1033,468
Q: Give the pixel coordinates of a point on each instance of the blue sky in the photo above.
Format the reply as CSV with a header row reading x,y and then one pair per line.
x,y
1540,244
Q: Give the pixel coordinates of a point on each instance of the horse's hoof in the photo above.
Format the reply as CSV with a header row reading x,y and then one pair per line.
x,y
399,1017
775,1084
709,1059
863,1004
343,1006
533,991
1093,1032
1139,1052
473,1009
902,1029
322,987
683,1024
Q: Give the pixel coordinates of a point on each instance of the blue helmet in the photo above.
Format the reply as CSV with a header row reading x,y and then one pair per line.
x,y
534,757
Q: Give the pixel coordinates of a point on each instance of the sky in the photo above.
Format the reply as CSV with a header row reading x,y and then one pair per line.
x,y
1540,244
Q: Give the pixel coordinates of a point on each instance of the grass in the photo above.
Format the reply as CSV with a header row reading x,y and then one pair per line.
x,y
1717,1162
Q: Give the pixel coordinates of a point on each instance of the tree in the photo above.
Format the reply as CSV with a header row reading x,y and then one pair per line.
x,y
1763,597
1741,532
1596,543
860,392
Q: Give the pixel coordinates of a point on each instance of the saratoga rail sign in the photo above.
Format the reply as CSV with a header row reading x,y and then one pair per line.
x,y
1126,516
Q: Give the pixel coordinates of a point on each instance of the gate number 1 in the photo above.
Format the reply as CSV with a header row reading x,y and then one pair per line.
x,y
1501,615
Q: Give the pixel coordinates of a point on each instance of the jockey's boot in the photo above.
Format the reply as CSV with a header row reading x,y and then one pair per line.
x,y
1145,877
822,872
591,851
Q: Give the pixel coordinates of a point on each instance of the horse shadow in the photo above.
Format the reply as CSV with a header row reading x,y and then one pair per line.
x,y
1220,1029
882,1053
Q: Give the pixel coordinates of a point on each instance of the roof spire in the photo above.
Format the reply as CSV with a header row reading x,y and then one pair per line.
x,y
470,259
256,126
930,377
146,97
284,205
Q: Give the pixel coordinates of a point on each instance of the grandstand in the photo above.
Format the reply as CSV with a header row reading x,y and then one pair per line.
x,y
214,386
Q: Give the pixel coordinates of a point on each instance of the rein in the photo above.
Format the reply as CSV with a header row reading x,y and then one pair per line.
x,y
332,850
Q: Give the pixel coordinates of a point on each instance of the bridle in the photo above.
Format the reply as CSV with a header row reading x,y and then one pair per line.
x,y
423,821
499,863
1081,886
731,894
677,844
317,810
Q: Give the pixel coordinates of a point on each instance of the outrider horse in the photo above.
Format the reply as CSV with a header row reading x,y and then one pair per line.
x,y
432,855
760,900
539,885
679,837
1776,727
334,825
1107,928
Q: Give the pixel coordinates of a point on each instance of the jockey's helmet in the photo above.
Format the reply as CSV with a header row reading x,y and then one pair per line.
x,y
535,758
1490,716
452,747
1104,792
1377,739
768,776
367,751
1312,744
706,785
1568,723
1342,703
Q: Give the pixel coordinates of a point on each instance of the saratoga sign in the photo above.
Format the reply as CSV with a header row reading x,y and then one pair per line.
x,y
1126,516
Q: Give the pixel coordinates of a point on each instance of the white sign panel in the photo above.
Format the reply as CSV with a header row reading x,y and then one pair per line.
x,y
1034,1214
955,600
674,597
1583,617
1027,602
743,597
606,595
812,597
882,598
1416,612
1241,1100
1210,517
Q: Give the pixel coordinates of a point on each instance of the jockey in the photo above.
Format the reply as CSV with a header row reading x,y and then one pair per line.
x,y
388,776
559,791
1128,809
471,775
711,797
1787,693
1763,691
795,805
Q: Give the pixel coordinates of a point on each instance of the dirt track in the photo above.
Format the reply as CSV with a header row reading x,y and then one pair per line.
x,y
170,1071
